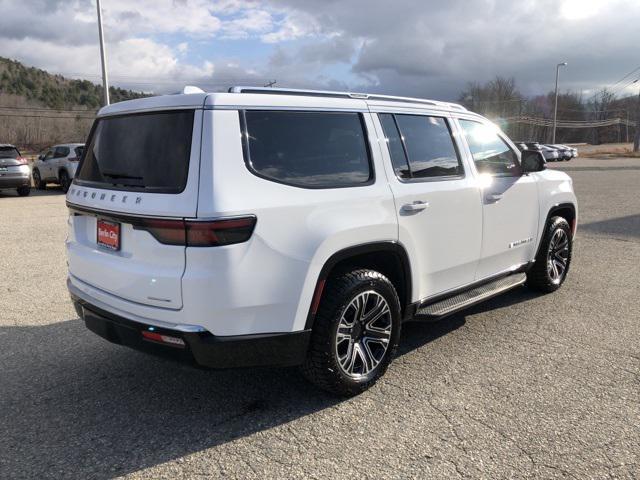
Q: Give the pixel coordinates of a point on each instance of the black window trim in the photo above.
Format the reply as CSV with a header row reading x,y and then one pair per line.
x,y
246,154
104,186
442,178
502,137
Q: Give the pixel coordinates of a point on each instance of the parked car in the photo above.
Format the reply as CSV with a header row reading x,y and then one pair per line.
x,y
14,170
564,153
287,227
57,165
550,154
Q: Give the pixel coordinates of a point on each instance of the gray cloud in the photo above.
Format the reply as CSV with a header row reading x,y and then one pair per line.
x,y
434,48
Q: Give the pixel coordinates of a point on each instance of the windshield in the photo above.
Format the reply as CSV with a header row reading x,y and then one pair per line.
x,y
148,152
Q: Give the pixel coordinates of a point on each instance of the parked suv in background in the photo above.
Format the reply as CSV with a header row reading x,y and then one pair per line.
x,y
14,171
58,165
283,227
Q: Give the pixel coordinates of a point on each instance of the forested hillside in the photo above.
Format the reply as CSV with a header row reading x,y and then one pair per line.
x,y
54,91
38,109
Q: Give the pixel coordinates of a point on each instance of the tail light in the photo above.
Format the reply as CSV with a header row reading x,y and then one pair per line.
x,y
190,233
74,159
219,232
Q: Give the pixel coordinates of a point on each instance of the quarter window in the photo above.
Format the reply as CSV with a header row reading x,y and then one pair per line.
x,y
491,153
421,146
308,149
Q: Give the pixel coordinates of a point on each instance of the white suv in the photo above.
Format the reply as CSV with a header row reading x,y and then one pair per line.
x,y
57,164
283,227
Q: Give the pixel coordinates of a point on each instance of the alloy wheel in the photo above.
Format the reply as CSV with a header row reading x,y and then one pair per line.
x,y
364,334
558,256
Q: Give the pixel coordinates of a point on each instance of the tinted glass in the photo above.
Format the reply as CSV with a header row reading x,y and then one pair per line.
x,y
490,153
79,151
9,152
309,149
396,150
141,152
429,146
61,152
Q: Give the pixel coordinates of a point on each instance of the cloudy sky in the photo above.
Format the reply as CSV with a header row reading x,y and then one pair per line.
x,y
429,48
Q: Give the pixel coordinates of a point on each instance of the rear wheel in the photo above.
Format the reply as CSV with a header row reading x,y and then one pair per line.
x,y
37,180
355,333
24,190
554,257
64,181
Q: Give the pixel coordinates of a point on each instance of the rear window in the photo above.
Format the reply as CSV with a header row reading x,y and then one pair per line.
x,y
307,149
146,152
9,152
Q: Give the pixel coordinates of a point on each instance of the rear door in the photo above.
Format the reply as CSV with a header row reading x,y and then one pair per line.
x,y
509,200
139,173
437,201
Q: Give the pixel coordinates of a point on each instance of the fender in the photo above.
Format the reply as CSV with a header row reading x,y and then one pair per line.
x,y
354,251
556,208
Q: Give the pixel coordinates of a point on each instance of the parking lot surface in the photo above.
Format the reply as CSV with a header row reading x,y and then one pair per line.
x,y
524,386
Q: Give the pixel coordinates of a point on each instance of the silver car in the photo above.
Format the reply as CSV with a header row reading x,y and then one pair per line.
x,y
14,171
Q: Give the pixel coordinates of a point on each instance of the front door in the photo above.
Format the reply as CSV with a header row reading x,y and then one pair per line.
x,y
437,201
509,201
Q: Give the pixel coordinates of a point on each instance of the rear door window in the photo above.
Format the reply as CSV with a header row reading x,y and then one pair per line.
x,y
307,149
142,152
421,146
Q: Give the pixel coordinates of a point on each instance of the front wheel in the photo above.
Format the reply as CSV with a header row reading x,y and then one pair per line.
x,y
37,180
355,333
554,257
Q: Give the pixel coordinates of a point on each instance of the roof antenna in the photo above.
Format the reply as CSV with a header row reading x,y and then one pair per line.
x,y
271,83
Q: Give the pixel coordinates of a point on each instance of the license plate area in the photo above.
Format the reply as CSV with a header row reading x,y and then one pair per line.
x,y
108,234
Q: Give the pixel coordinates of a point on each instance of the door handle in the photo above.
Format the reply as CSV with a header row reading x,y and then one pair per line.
x,y
493,197
415,206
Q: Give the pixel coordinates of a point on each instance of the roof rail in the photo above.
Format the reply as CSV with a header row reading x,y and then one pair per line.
x,y
354,95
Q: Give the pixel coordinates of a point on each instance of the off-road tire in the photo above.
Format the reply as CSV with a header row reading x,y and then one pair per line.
x,y
539,277
321,366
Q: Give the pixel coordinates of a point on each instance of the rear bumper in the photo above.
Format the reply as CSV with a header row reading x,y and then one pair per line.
x,y
200,348
14,181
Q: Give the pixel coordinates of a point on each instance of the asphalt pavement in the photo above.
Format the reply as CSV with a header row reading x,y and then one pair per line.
x,y
524,386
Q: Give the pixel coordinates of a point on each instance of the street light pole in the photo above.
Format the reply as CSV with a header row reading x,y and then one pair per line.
x,y
105,81
555,108
636,140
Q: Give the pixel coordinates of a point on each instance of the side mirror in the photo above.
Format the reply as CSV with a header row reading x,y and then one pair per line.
x,y
533,161
41,157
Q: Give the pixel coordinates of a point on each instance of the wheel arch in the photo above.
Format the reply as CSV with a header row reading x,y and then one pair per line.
x,y
566,210
63,169
387,257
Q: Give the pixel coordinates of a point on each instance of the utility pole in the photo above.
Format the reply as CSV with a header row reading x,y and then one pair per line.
x,y
555,108
105,81
636,140
627,125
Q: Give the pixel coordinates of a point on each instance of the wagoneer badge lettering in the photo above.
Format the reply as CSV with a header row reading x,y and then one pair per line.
x,y
520,242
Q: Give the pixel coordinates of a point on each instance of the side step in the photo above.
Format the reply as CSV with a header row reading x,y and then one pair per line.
x,y
442,308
